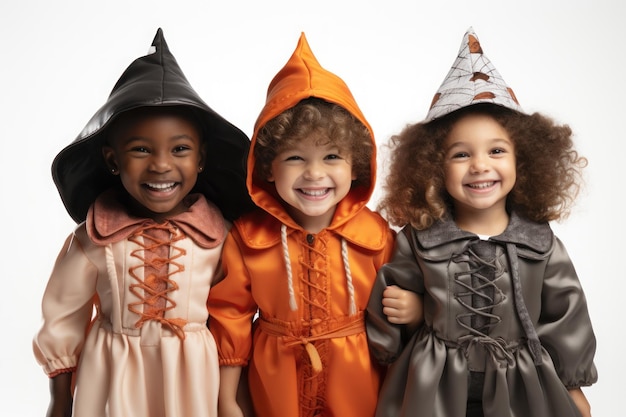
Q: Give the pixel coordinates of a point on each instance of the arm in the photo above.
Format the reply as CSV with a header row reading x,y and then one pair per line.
x,y
564,326
387,339
231,309
581,402
231,306
67,307
400,306
403,307
227,401
60,396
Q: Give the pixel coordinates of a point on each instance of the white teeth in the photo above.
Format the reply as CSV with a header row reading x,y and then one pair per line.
x,y
161,186
314,193
482,185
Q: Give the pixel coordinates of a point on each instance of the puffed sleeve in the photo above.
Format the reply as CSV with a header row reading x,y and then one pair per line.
x,y
67,308
232,307
564,326
387,340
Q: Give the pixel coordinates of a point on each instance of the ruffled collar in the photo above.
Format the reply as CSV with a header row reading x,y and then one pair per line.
x,y
108,220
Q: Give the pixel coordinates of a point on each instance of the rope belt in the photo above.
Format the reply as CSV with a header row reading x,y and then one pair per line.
x,y
346,327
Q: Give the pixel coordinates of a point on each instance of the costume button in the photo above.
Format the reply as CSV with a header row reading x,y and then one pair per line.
x,y
310,239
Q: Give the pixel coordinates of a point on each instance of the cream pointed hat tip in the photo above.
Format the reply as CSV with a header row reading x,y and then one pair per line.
x,y
472,79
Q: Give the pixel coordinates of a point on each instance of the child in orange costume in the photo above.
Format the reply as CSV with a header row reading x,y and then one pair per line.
x,y
307,258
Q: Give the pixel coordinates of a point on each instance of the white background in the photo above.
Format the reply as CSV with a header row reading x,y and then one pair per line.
x,y
60,59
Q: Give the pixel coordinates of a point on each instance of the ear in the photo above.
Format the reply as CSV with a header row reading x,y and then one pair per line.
x,y
110,160
202,158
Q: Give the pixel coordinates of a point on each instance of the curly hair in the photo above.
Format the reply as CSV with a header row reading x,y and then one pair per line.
x,y
326,123
548,168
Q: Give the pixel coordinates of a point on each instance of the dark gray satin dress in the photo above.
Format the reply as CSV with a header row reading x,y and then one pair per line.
x,y
506,317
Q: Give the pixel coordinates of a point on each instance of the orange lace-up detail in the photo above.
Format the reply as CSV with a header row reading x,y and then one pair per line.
x,y
158,255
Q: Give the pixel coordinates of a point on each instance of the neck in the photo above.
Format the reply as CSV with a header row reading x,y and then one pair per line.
x,y
482,222
312,224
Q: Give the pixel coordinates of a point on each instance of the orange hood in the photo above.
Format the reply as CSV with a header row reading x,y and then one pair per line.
x,y
303,77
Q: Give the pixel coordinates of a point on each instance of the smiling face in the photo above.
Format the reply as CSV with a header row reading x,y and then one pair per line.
x,y
312,179
480,167
158,156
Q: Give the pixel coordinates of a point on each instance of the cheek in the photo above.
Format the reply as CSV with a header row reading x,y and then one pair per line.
x,y
448,174
513,178
510,170
448,184
453,177
273,171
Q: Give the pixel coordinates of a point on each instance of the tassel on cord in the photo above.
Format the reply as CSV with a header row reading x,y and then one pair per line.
x,y
293,305
349,284
314,357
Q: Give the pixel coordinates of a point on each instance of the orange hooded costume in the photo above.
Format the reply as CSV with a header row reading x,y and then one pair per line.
x,y
309,354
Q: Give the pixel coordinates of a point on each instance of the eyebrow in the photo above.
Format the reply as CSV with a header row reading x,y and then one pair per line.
x,y
146,138
491,141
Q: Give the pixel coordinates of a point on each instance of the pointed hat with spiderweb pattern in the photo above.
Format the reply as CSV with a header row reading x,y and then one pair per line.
x,y
472,79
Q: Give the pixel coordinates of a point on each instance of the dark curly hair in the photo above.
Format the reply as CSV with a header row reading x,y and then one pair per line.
x,y
315,118
548,168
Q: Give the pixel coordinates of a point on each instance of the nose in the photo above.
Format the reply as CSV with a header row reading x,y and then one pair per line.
x,y
313,170
479,164
160,162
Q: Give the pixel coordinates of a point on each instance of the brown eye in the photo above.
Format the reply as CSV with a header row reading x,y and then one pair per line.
x,y
140,149
181,148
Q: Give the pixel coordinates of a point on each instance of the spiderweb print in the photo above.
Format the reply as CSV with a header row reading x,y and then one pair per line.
x,y
472,79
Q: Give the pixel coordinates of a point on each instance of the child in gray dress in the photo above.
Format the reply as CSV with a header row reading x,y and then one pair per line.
x,y
506,328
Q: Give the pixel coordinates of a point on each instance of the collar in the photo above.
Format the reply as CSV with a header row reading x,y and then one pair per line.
x,y
523,233
365,229
108,220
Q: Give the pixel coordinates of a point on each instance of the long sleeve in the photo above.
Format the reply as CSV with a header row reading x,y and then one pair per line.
x,y
232,307
386,340
564,326
67,308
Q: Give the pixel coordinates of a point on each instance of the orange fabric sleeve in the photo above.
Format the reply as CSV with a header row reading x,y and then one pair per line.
x,y
231,306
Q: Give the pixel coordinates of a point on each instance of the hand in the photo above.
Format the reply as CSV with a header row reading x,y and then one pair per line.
x,y
227,405
402,306
59,409
230,409
581,402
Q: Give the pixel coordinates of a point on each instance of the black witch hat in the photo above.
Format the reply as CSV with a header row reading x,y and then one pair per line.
x,y
80,173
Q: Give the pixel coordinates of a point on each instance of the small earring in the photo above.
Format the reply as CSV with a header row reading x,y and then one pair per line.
x,y
200,169
114,171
